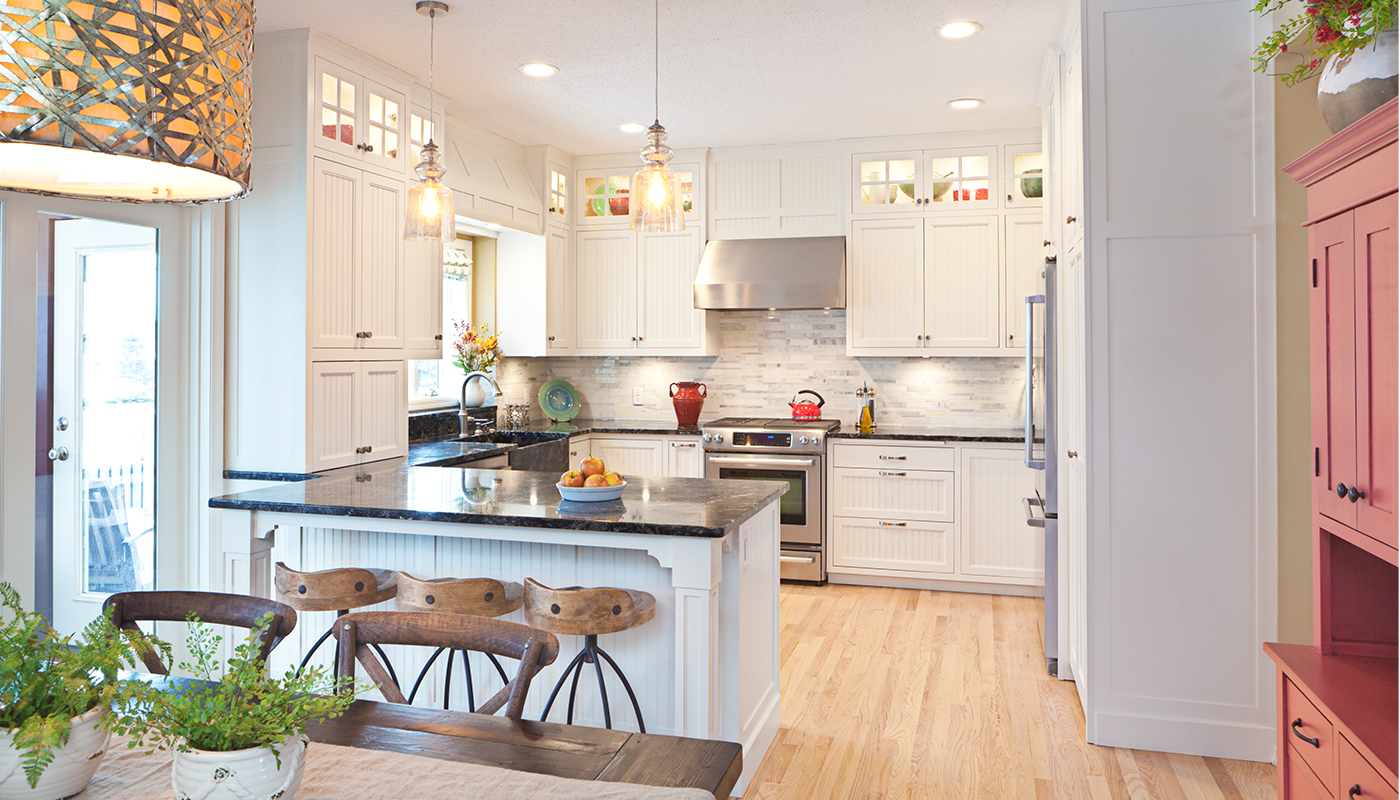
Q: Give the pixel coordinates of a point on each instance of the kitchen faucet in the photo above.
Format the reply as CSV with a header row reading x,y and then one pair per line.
x,y
463,419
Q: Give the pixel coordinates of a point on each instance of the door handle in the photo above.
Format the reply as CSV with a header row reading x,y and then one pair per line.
x,y
778,462
58,454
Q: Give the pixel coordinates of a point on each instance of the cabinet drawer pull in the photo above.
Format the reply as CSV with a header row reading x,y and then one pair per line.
x,y
894,458
884,474
894,524
1294,727
1354,792
682,444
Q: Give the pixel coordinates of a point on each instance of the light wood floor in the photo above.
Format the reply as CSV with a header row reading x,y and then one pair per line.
x,y
893,693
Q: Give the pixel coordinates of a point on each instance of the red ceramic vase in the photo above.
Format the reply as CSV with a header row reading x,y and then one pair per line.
x,y
688,397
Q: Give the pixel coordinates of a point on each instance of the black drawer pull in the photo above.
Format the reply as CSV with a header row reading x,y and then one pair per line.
x,y
1294,726
1354,792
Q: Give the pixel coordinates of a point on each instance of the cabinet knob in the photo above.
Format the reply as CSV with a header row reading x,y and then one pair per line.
x,y
641,338
359,334
1072,453
1010,336
1354,494
918,201
369,334
1341,490
1070,220
1045,243
368,148
369,448
359,451
437,338
551,338
921,337
58,454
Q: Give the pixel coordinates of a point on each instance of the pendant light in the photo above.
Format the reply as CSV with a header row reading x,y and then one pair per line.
x,y
126,100
656,189
430,214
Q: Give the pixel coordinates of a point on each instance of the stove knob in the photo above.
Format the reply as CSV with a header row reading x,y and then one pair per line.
x,y
719,437
802,440
816,440
705,438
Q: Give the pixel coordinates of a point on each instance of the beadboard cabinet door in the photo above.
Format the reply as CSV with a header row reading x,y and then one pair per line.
x,y
559,288
894,492
383,414
381,274
333,280
962,283
995,539
358,413
606,294
684,457
423,288
886,284
630,455
892,544
1025,270
666,314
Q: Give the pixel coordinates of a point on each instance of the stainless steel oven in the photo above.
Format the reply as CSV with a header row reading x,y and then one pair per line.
x,y
787,452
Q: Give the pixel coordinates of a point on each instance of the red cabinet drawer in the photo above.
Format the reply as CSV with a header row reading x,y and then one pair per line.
x,y
1299,783
1306,725
1358,779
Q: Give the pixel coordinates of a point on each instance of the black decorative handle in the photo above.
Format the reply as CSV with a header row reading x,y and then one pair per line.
x,y
1354,792
1294,726
1354,494
1341,490
821,401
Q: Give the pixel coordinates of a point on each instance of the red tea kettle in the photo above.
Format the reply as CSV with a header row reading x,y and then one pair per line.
x,y
807,409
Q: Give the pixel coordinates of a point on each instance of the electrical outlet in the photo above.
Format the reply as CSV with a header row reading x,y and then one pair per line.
x,y
637,396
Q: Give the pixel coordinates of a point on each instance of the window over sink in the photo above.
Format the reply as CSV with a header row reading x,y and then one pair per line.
x,y
434,383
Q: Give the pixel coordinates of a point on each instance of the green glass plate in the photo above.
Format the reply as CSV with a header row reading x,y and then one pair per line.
x,y
559,400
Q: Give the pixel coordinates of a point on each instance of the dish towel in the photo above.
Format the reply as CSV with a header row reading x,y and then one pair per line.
x,y
334,772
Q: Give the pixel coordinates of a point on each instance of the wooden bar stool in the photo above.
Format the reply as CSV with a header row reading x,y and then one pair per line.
x,y
472,597
339,590
588,613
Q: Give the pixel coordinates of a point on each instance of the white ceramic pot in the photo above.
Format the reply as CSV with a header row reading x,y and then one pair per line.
x,y
1352,87
250,774
70,771
475,395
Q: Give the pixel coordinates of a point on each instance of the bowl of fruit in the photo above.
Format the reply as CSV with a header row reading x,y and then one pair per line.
x,y
590,483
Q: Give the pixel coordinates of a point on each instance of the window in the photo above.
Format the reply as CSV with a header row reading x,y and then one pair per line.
x,y
436,383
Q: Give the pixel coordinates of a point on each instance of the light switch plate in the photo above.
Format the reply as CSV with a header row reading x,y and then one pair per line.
x,y
637,396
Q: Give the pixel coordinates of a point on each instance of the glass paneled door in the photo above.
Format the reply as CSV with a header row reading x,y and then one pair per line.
x,y
106,296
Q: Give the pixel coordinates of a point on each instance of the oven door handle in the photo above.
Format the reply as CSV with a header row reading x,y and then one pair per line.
x,y
798,559
780,462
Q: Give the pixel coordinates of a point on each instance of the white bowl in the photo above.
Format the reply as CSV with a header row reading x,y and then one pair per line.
x,y
594,494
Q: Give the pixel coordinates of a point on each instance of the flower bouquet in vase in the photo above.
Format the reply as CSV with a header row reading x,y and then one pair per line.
x,y
476,351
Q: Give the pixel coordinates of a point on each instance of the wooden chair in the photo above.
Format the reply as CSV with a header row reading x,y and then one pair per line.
x,y
473,597
125,609
340,590
358,633
589,613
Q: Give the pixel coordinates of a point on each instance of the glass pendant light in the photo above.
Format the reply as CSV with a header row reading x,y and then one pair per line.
x,y
127,100
656,189
430,214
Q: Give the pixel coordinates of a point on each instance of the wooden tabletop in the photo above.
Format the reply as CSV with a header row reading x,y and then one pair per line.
x,y
547,748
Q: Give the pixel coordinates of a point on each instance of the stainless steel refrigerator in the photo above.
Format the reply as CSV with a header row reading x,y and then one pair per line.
x,y
1042,511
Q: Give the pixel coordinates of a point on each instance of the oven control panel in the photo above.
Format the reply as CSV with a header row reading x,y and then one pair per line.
x,y
759,439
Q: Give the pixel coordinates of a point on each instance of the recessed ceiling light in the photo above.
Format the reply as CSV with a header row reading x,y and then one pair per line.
x,y
632,127
964,102
539,69
959,30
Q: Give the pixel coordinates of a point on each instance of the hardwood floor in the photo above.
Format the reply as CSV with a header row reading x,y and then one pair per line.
x,y
891,693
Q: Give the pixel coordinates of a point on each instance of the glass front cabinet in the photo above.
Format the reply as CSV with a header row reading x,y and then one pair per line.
x,y
924,180
603,195
1025,170
359,118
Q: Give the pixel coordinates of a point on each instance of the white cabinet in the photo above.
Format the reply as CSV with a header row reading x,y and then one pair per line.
x,y
356,280
684,457
358,118
925,286
634,292
775,191
356,411
1071,177
995,539
423,293
916,181
1024,168
931,515
1025,276
630,455
534,281
559,291
602,193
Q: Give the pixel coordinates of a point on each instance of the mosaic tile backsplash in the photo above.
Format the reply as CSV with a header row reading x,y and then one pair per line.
x,y
765,358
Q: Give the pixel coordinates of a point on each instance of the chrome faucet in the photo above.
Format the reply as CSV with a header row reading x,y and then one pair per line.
x,y
463,419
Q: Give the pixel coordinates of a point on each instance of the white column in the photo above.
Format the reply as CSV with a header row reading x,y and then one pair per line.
x,y
247,562
695,574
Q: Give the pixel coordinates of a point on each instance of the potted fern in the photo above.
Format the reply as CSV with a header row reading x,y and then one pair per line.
x,y
55,699
239,733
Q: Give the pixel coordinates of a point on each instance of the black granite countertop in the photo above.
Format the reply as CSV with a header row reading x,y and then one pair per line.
x,y
654,506
579,427
932,434
451,452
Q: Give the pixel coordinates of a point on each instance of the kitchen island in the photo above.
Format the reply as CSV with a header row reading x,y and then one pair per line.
x,y
705,667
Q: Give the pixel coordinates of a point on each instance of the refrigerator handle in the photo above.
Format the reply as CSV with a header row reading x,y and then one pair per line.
x,y
1031,461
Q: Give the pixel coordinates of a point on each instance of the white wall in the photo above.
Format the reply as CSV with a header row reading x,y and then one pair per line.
x,y
1182,434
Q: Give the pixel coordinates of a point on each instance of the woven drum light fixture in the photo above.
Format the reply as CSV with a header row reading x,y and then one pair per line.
x,y
128,100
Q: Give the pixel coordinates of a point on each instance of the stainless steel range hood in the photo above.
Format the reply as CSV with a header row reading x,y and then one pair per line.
x,y
796,273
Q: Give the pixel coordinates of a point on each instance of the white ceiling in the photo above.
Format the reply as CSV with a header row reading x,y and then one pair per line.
x,y
733,72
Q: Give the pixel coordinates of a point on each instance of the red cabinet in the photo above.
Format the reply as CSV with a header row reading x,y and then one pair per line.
x,y
1337,700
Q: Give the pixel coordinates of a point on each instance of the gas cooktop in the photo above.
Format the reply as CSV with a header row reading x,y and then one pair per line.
x,y
828,425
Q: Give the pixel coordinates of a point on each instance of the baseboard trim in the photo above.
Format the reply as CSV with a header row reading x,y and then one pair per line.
x,y
1238,741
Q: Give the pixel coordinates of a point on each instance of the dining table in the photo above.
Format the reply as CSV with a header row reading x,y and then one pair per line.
x,y
552,749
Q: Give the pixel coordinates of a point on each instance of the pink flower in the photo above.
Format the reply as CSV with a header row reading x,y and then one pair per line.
x,y
1283,48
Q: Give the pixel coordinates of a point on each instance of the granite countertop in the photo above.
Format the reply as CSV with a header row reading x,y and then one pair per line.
x,y
654,506
932,434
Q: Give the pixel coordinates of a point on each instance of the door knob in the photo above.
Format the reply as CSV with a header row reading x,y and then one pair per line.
x,y
1341,490
58,454
62,423
1354,494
